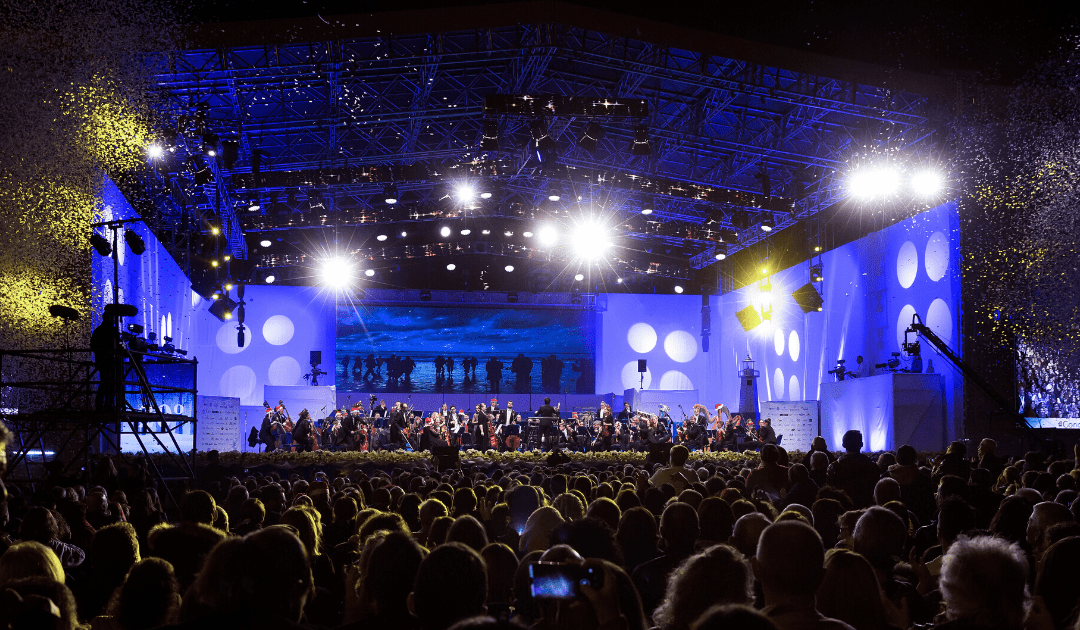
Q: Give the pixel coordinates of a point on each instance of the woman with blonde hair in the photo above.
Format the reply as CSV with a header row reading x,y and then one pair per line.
x,y
718,575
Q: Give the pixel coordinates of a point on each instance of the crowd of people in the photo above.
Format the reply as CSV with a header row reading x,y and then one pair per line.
x,y
822,540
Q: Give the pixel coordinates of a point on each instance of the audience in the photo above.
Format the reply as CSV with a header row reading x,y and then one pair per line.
x,y
896,541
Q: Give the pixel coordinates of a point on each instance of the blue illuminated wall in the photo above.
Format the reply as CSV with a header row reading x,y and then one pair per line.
x,y
871,288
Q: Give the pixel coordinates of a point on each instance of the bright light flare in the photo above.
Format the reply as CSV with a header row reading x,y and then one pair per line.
x,y
451,267
380,238
466,232
465,193
369,273
579,277
590,240
270,279
678,288
336,273
445,232
155,151
548,236
869,183
509,269
927,183
264,243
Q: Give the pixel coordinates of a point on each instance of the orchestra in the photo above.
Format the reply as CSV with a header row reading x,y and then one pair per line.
x,y
356,428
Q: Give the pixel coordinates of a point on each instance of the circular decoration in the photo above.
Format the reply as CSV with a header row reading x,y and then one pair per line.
x,y
902,323
641,337
195,298
284,371
794,391
238,382
278,330
674,379
937,256
680,346
168,326
777,384
778,342
631,378
939,319
226,339
907,264
794,345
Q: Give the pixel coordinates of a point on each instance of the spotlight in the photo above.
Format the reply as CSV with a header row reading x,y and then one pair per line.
x,y
209,142
227,257
548,236
215,230
641,144
486,194
270,279
579,277
336,272
465,193
155,151
254,206
489,138
445,231
817,248
927,183
425,296
485,232
527,234
646,211
678,288
223,308
135,242
509,268
380,238
101,244
227,286
451,267
369,273
589,239
816,275
767,224
647,206
618,280
466,232
593,132
404,234
554,193
390,194
264,243
542,140
721,252
508,233
214,263
873,182
216,294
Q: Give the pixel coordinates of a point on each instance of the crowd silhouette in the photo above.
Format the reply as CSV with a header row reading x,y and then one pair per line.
x,y
826,540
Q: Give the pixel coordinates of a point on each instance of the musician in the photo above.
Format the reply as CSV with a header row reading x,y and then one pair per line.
x,y
626,415
382,414
548,416
398,423
566,436
695,433
340,430
481,428
266,431
607,431
304,433
766,434
584,435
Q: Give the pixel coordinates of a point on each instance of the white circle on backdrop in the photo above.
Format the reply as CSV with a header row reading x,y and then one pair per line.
x,y
680,346
641,337
121,246
939,319
937,256
907,264
278,330
631,378
903,321
284,372
237,382
778,342
778,384
195,298
168,326
794,391
226,339
794,346
674,379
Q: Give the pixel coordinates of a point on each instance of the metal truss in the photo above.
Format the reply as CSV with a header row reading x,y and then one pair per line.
x,y
394,101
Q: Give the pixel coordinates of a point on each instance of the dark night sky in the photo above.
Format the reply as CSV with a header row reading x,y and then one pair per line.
x,y
995,40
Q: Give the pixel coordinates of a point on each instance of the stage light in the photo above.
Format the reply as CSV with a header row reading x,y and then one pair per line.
x,y
590,239
527,234
873,182
155,151
641,145
369,273
215,230
817,248
135,242
404,234
380,238
390,194
214,263
816,274
548,236
579,277
466,232
554,193
646,211
227,257
485,232
927,183
767,224
720,255
678,288
270,279
221,309
588,140
485,195
445,231
101,244
618,280
216,295
254,206
489,137
509,268
508,233
336,272
451,267
227,286
647,206
264,243
465,193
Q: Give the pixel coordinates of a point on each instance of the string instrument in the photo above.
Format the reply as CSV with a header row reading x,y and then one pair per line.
x,y
492,437
513,442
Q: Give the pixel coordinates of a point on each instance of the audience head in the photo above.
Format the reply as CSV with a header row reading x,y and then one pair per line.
x,y
27,559
718,575
679,526
1043,516
37,603
849,591
451,585
391,572
198,506
727,616
789,561
984,583
853,441
467,530
747,533
148,598
679,454
879,536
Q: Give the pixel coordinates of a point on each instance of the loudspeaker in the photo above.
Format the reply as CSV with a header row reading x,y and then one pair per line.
x,y
642,366
749,318
659,453
316,357
448,457
808,298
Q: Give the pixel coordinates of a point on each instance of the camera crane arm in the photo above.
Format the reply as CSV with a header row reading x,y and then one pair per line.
x,y
976,379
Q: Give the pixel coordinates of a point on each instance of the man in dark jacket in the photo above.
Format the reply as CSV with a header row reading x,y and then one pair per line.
x,y
854,472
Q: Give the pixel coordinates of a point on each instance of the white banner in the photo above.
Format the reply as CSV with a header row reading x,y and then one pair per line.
x,y
796,421
219,423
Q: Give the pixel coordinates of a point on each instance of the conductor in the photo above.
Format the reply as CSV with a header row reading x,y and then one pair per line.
x,y
547,415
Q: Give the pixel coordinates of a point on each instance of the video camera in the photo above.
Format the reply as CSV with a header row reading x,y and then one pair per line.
x,y
135,342
892,364
839,371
